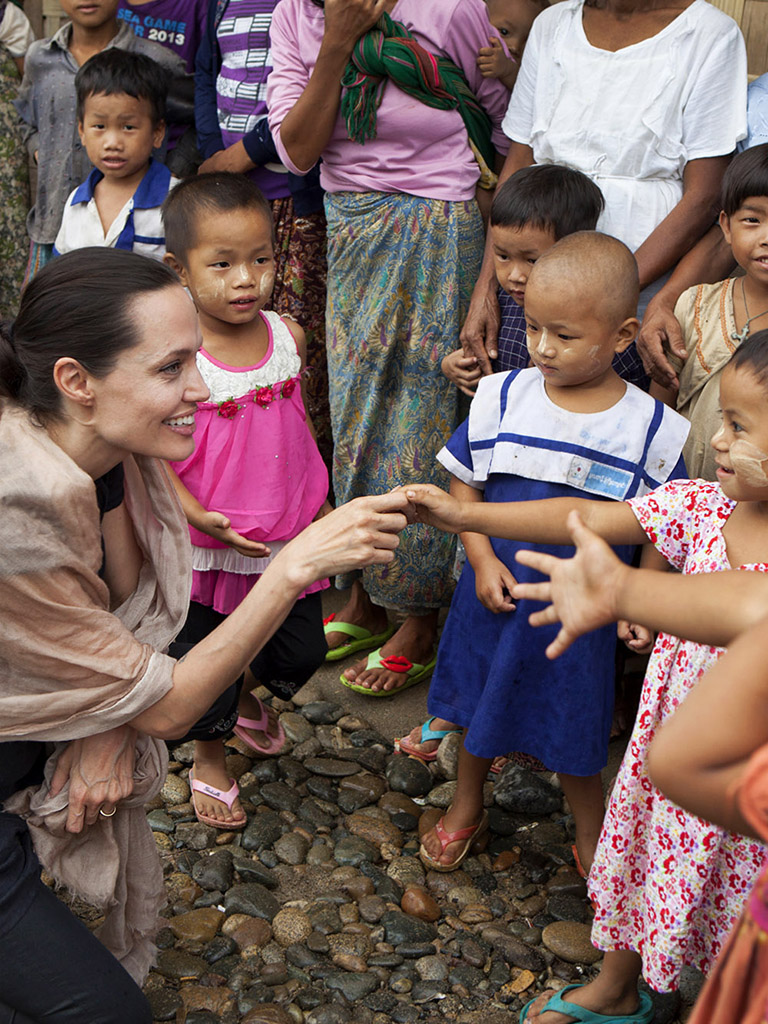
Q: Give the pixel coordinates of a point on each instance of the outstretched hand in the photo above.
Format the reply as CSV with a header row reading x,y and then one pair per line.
x,y
216,525
584,590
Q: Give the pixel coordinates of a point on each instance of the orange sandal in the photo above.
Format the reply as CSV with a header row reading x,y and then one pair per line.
x,y
471,834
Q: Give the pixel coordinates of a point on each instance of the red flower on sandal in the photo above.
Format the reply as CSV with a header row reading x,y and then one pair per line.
x,y
397,663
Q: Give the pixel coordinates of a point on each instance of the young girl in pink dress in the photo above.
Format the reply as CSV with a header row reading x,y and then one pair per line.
x,y
668,887
256,478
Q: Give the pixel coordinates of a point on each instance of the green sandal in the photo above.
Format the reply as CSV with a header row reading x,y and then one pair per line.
x,y
643,1015
362,638
413,673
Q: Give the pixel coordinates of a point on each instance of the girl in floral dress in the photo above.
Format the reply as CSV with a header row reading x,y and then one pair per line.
x,y
668,887
256,478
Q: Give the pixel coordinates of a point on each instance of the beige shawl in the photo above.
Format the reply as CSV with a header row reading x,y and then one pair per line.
x,y
69,667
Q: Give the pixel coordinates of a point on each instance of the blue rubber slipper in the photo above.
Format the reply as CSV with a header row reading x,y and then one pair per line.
x,y
411,671
643,1015
427,733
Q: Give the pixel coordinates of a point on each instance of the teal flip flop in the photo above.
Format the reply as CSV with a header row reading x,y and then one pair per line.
x,y
643,1015
427,733
361,640
413,673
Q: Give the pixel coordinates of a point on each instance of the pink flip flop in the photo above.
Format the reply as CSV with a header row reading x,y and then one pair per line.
x,y
227,798
275,744
470,835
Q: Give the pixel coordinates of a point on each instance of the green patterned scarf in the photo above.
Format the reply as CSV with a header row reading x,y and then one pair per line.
x,y
389,51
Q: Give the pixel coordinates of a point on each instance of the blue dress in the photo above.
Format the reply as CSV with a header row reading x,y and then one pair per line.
x,y
492,675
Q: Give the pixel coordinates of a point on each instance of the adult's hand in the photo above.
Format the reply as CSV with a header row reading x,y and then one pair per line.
x,y
659,333
347,20
584,590
362,532
234,158
100,774
481,328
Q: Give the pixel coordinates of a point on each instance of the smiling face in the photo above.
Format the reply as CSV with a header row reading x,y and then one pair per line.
x,y
571,339
515,251
512,19
90,14
146,404
741,443
746,231
119,134
230,270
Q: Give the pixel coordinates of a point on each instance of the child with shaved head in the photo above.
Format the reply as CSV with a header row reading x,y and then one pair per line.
x,y
568,426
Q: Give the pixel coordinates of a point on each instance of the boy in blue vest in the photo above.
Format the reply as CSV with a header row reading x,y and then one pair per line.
x,y
121,118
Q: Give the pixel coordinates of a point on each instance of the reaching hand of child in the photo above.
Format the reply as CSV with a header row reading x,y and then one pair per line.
x,y
218,526
638,638
493,585
462,370
584,590
430,505
492,62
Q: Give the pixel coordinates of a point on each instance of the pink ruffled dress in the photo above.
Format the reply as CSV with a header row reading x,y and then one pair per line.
x,y
256,462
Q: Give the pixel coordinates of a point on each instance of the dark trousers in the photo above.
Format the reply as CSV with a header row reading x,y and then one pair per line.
x,y
55,972
283,665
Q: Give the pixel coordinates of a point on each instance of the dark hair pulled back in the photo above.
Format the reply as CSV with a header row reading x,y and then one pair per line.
x,y
78,306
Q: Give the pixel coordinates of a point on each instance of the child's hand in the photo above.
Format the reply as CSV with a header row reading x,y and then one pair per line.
x,y
638,638
218,526
462,370
492,62
493,585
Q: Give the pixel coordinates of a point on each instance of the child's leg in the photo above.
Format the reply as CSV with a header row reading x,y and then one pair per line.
x,y
612,993
466,809
295,652
585,798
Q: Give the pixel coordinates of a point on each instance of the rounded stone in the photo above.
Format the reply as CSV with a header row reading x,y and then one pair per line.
x,y
197,925
371,908
297,728
407,775
571,941
292,848
175,790
375,830
407,871
291,925
248,931
442,796
432,968
418,903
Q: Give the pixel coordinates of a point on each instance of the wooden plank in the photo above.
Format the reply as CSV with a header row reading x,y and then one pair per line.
x,y
53,17
34,11
733,7
754,25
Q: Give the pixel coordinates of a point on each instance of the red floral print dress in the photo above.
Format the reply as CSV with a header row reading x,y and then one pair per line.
x,y
667,884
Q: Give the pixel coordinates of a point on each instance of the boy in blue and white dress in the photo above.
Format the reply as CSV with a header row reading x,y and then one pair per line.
x,y
120,108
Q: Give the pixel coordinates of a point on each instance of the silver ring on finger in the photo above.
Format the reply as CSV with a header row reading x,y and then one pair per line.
x,y
106,814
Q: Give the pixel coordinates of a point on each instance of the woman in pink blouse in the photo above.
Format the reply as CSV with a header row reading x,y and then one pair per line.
x,y
405,243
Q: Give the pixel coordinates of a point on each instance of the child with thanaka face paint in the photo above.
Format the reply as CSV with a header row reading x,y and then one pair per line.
x,y
716,318
668,886
564,427
256,478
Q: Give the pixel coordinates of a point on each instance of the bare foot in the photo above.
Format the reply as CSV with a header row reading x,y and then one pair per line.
x,y
210,767
358,611
251,707
585,996
414,640
415,745
451,823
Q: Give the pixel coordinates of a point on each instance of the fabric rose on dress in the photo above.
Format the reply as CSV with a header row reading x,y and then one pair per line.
x,y
264,396
289,386
228,408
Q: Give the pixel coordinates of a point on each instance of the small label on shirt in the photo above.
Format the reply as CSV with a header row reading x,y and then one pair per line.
x,y
597,478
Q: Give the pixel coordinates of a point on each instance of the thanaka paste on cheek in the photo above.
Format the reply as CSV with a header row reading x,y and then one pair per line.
x,y
266,284
748,462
